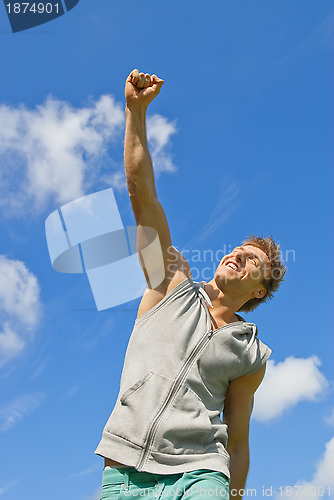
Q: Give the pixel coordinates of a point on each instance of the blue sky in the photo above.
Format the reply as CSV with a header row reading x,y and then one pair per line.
x,y
240,138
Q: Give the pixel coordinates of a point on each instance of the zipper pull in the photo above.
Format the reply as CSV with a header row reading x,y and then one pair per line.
x,y
210,333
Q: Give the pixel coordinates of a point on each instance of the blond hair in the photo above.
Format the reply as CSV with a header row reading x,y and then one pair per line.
x,y
277,269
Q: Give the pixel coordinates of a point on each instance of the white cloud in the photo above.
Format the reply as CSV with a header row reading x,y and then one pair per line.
x,y
330,418
8,486
159,132
14,411
56,152
45,152
116,180
322,483
324,474
286,384
20,307
19,291
10,343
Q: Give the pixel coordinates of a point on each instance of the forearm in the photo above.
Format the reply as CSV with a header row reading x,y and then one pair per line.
x,y
137,160
239,464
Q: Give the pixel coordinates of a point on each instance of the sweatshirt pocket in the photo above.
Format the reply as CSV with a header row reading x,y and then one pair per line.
x,y
185,427
134,388
137,406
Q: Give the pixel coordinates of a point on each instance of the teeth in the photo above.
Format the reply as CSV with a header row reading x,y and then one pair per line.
x,y
232,266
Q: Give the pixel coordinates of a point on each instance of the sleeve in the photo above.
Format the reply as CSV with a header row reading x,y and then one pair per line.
x,y
255,356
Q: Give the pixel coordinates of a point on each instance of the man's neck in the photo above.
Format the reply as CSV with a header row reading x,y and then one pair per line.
x,y
224,307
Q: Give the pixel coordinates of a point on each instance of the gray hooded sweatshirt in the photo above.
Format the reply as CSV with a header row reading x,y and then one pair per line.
x,y
176,372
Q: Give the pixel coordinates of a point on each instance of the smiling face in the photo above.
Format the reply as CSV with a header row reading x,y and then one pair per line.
x,y
243,271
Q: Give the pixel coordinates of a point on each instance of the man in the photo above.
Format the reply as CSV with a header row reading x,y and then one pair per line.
x,y
190,357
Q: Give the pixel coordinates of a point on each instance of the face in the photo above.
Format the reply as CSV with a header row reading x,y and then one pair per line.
x,y
242,271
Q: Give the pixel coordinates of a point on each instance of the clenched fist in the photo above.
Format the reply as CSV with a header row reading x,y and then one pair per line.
x,y
141,89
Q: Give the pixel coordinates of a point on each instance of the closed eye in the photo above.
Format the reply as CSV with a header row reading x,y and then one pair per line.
x,y
255,262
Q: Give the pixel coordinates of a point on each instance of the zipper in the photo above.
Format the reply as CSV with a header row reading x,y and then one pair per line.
x,y
173,390
177,383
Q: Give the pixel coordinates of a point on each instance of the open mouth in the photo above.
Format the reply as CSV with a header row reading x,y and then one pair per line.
x,y
232,265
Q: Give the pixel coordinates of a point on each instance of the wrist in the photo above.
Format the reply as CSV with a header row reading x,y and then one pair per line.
x,y
135,110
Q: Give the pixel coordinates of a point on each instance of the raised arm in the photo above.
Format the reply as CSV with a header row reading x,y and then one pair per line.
x,y
159,259
140,90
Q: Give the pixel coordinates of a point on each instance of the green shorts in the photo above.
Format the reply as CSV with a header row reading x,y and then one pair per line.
x,y
127,482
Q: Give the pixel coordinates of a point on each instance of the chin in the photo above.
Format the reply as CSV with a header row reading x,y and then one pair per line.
x,y
228,284
221,281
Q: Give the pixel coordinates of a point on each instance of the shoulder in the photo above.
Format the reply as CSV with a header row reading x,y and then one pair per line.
x,y
178,270
256,354
251,353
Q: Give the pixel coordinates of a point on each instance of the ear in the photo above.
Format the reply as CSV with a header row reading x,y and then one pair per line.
x,y
260,293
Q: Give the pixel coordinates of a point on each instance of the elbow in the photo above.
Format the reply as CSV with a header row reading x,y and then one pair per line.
x,y
238,449
239,458
144,206
140,191
141,199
